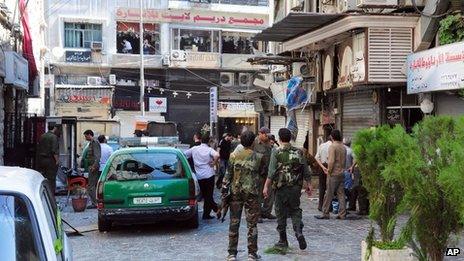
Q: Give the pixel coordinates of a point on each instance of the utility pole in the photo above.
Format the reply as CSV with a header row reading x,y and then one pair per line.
x,y
142,65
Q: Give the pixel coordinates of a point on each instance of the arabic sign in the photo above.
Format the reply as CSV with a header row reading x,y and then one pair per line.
x,y
236,109
213,104
78,56
437,69
17,70
84,95
200,17
199,59
156,104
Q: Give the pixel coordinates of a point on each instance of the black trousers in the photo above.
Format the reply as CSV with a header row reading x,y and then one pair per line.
x,y
322,187
359,193
207,190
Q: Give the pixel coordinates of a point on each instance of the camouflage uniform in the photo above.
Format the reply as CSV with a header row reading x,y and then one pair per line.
x,y
264,151
287,169
93,160
243,180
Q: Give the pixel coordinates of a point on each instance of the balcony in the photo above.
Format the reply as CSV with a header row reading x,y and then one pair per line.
x,y
122,60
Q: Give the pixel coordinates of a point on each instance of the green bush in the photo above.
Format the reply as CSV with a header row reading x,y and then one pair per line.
x,y
430,168
451,29
375,149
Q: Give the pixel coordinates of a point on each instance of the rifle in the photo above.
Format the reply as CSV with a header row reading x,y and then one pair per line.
x,y
226,196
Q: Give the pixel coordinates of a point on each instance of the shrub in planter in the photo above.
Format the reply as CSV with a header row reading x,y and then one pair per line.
x,y
431,171
375,148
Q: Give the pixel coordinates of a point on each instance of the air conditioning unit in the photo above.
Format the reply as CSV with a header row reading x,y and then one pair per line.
x,y
301,69
263,80
112,79
178,55
96,46
245,79
346,6
377,3
94,80
227,79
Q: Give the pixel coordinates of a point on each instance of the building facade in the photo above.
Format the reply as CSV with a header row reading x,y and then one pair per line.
x,y
92,68
356,54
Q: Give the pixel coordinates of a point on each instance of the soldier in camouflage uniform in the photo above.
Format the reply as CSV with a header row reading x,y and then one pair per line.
x,y
243,181
263,148
287,170
93,159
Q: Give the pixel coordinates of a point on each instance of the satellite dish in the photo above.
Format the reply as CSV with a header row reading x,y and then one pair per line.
x,y
58,52
426,106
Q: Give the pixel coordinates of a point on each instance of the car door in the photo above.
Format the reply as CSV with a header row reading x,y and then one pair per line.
x,y
146,179
55,230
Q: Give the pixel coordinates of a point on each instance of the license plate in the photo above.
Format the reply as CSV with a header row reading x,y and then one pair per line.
x,y
147,200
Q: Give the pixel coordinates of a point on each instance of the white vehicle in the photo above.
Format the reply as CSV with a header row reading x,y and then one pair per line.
x,y
29,222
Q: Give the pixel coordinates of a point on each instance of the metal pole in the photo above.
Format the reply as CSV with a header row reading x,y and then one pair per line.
x,y
142,66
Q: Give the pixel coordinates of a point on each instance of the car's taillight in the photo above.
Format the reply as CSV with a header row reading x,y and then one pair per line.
x,y
192,190
100,195
192,202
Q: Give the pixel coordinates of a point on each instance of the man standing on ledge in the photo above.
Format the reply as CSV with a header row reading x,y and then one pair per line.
x,y
287,170
335,177
93,161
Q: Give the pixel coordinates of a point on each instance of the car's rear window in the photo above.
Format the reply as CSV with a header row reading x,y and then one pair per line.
x,y
145,166
17,236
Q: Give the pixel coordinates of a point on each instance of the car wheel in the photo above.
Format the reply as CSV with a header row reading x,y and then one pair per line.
x,y
103,224
193,221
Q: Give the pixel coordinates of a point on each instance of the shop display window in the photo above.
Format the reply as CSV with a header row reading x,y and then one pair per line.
x,y
238,43
127,38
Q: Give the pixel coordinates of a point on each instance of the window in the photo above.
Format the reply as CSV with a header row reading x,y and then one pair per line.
x,y
81,35
51,217
195,40
18,238
238,43
128,40
145,166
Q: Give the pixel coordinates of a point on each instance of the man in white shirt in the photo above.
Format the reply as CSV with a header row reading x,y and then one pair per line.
x,y
127,46
204,160
322,158
106,152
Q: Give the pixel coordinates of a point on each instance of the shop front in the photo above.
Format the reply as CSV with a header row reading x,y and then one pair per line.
x,y
237,117
82,101
360,110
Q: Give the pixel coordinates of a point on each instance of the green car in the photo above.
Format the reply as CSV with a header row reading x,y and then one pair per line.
x,y
143,185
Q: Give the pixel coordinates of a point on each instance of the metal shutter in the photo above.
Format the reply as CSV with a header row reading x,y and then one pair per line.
x,y
303,121
277,122
388,50
358,112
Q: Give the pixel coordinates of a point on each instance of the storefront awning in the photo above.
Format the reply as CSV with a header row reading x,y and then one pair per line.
x,y
295,24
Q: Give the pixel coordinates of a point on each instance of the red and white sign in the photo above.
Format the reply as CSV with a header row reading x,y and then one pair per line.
x,y
156,104
200,17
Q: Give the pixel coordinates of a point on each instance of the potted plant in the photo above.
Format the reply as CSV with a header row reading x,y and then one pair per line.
x,y
432,185
79,199
375,150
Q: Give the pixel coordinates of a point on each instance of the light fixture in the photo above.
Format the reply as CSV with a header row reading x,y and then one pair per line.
x,y
189,95
389,90
175,94
161,90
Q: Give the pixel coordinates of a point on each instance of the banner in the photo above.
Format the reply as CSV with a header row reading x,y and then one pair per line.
x,y
213,105
437,69
157,104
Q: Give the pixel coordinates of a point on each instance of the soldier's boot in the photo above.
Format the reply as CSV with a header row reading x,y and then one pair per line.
x,y
301,239
283,243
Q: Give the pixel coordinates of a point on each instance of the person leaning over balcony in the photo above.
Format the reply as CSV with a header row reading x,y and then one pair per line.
x,y
335,178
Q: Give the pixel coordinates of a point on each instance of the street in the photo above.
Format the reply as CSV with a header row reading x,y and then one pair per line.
x,y
327,239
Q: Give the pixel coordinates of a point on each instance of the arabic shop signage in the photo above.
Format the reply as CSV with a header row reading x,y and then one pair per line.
x,y
83,95
78,56
437,69
199,17
199,60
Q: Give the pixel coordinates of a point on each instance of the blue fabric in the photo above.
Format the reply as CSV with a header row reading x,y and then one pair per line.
x,y
348,180
296,94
